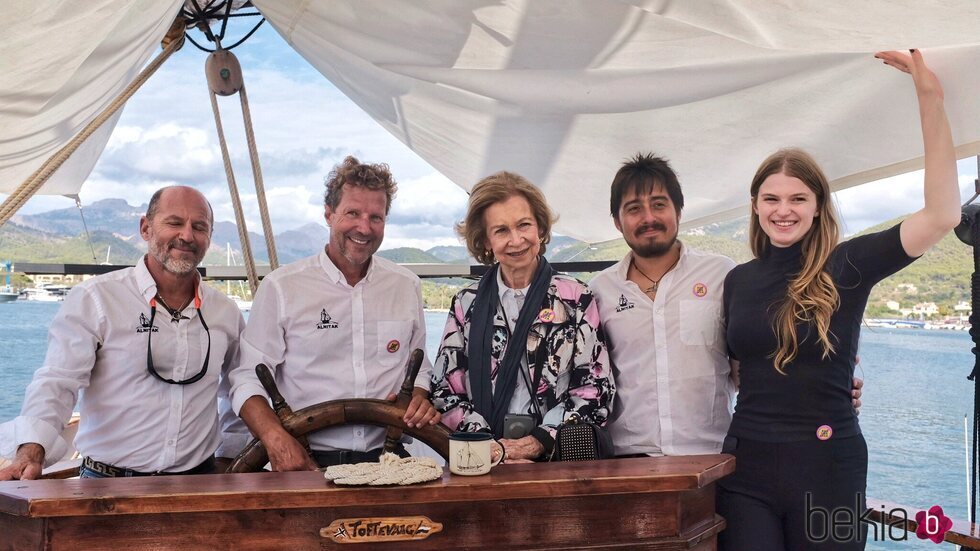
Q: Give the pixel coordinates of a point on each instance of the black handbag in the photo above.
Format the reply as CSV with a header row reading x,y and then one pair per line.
x,y
579,440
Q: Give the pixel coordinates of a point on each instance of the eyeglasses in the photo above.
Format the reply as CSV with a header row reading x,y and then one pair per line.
x,y
149,346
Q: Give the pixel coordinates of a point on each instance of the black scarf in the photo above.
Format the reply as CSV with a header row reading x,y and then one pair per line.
x,y
485,304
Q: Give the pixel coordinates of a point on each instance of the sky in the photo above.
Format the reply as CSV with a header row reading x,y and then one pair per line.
x,y
303,126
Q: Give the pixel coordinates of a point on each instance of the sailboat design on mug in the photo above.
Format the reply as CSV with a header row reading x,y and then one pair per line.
x,y
467,459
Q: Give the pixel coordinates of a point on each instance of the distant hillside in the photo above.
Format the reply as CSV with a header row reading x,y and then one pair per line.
x,y
941,276
451,254
409,255
304,241
108,215
21,244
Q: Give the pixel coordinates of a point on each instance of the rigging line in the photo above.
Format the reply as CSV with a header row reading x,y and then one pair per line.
x,y
966,460
253,280
976,185
88,236
171,43
253,155
200,18
249,34
224,21
235,45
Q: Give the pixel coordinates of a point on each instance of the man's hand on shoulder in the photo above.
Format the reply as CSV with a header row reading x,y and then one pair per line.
x,y
856,394
27,464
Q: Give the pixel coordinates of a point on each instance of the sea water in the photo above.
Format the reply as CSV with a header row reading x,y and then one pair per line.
x,y
915,398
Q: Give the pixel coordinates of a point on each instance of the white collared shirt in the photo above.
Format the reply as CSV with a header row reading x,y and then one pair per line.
x,y
326,340
512,300
97,346
673,390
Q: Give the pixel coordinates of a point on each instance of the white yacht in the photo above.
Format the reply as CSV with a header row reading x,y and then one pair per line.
x,y
45,293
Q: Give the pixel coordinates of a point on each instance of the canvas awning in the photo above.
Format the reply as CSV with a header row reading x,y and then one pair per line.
x,y
560,91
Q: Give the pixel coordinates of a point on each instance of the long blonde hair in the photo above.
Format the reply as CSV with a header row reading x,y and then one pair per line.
x,y
811,296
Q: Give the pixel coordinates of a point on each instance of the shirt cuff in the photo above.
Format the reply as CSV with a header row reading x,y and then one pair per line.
x,y
27,430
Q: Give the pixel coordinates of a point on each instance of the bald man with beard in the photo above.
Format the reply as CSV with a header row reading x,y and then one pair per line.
x,y
142,351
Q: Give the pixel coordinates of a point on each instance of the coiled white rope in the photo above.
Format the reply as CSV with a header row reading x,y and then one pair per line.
x,y
390,469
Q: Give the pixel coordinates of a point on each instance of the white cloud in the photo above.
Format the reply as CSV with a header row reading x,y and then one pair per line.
x,y
421,236
303,126
289,208
875,202
432,199
166,151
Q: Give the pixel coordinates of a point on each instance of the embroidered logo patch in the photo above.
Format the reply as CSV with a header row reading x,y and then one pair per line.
x,y
393,346
824,432
144,325
325,321
700,290
547,315
624,304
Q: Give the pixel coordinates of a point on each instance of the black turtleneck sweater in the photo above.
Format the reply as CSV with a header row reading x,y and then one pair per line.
x,y
815,391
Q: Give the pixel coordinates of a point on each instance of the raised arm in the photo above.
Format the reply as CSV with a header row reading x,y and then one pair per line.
x,y
941,212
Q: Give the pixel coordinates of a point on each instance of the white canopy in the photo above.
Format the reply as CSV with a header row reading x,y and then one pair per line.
x,y
560,91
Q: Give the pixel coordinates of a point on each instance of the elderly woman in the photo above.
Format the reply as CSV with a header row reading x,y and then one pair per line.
x,y
524,340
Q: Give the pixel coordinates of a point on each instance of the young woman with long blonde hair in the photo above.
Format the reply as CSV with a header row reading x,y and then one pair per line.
x,y
795,434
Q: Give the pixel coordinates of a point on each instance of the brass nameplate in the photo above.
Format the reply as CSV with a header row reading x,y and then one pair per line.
x,y
380,529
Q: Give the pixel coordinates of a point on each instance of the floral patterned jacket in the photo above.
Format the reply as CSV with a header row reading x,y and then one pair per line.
x,y
576,377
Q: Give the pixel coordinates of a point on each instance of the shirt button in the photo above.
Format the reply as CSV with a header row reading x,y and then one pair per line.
x,y
170,442
660,310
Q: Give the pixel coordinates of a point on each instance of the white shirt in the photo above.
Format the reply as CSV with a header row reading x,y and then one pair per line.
x,y
673,390
325,340
97,347
512,300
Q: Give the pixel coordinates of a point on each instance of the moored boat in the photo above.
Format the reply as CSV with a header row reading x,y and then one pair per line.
x,y
7,294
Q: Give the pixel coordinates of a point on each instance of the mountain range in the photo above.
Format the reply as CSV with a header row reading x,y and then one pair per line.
x,y
58,236
113,224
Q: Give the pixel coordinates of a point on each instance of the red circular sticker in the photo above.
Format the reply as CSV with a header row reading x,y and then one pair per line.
x,y
393,346
824,432
547,315
700,289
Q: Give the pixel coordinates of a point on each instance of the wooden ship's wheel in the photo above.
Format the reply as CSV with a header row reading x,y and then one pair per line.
x,y
343,412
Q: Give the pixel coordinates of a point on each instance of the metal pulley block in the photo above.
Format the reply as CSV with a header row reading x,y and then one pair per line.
x,y
224,73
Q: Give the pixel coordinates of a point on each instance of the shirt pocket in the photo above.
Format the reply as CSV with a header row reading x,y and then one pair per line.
x,y
394,340
700,322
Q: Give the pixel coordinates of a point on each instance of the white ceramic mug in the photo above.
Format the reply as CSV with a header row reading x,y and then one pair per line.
x,y
469,453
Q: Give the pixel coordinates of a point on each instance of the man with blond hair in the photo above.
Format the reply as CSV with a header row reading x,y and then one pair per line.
x,y
339,324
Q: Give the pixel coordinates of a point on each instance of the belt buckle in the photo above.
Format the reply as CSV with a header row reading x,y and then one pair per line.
x,y
345,456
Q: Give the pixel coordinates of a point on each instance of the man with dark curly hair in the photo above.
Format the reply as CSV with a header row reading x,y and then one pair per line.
x,y
339,324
